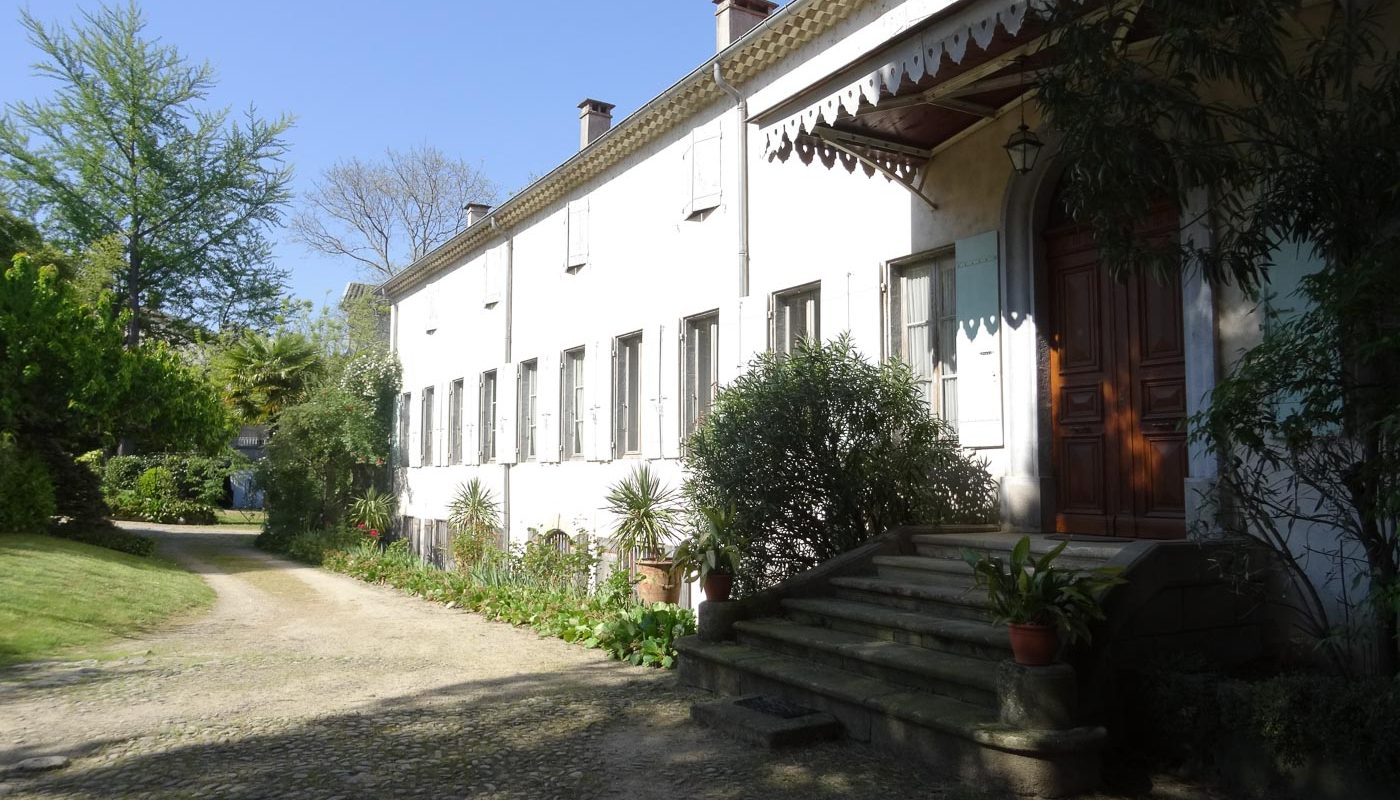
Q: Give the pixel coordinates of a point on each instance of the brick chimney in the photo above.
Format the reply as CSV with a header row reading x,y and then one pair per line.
x,y
476,212
734,18
594,120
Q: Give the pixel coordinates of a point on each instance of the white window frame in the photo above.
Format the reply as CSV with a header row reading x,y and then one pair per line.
x,y
938,367
426,433
527,398
455,389
627,395
699,370
486,385
573,366
783,308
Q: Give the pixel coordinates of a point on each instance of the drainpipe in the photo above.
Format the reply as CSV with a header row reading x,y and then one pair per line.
x,y
510,319
741,105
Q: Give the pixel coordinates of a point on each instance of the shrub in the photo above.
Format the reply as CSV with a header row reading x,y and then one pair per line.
x,y
1190,716
197,478
108,536
546,568
314,546
26,493
820,450
156,498
373,510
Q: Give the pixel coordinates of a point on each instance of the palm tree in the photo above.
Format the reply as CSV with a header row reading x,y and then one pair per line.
x,y
262,375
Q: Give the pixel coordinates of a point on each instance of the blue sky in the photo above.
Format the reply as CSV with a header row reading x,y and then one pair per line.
x,y
497,83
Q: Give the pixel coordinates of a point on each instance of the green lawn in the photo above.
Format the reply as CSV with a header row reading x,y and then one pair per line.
x,y
57,595
233,517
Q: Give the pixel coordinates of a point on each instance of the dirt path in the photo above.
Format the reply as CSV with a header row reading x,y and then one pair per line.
x,y
304,684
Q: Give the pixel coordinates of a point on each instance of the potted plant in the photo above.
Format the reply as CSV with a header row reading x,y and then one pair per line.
x,y
645,511
1038,601
711,553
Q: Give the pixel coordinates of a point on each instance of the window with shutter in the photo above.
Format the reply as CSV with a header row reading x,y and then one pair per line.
x,y
700,370
923,326
426,432
527,418
494,269
796,316
627,395
487,424
454,421
572,403
405,416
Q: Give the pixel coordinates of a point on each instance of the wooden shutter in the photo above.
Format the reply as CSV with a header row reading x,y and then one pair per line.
x,y
653,417
578,233
706,178
413,448
495,275
597,397
863,319
1292,263
978,300
548,409
669,356
471,419
507,379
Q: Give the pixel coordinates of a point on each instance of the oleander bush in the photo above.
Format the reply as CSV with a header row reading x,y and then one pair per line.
x,y
820,450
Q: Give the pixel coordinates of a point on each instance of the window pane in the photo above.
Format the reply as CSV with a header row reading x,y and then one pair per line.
x,y
454,422
634,395
701,368
488,416
427,432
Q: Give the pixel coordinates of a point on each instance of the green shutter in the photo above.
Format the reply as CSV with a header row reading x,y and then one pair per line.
x,y
978,301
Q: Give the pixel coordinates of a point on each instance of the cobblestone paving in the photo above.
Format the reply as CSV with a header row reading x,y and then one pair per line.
x,y
303,684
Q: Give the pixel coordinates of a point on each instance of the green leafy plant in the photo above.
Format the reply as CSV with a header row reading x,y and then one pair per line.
x,y
819,450
1025,590
644,636
474,516
373,511
26,493
712,547
645,513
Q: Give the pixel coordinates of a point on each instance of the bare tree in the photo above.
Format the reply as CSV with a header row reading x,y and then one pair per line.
x,y
387,214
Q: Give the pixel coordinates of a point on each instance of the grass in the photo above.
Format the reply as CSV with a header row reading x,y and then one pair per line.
x,y
57,596
228,516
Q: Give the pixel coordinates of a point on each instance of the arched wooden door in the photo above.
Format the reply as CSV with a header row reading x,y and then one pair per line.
x,y
1118,390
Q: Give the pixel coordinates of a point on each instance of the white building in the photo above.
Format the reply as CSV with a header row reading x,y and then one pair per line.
x,y
787,187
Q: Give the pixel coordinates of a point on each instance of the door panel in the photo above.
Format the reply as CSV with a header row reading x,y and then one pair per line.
x,y
1118,394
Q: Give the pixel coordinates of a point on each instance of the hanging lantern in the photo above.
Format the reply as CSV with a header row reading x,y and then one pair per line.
x,y
1023,147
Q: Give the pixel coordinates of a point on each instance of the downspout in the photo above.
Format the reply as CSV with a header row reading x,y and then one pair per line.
x,y
510,319
741,105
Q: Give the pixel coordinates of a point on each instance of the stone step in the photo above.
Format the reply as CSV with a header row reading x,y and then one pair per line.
x,y
966,739
918,569
965,637
934,599
972,680
1078,555
766,722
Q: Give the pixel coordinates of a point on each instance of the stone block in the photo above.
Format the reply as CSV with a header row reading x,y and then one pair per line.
x,y
766,721
717,618
1037,698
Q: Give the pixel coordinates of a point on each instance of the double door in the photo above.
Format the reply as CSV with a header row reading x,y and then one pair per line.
x,y
1118,392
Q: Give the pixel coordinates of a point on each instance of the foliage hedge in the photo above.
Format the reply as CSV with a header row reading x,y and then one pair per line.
x,y
1193,717
108,536
519,592
197,478
819,450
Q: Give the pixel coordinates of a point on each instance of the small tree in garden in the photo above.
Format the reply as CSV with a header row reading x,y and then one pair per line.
x,y
1285,118
820,450
474,516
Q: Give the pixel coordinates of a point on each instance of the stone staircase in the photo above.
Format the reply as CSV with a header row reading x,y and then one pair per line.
x,y
893,641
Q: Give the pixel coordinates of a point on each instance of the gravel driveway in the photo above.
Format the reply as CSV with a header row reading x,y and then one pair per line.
x,y
300,683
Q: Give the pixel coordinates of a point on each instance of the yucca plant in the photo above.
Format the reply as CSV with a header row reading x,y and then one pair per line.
x,y
474,516
645,510
374,510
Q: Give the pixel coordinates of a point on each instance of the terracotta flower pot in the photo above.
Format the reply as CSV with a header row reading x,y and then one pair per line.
x,y
717,586
659,584
1034,645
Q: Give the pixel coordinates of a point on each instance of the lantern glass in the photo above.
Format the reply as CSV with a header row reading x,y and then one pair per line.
x,y
1023,147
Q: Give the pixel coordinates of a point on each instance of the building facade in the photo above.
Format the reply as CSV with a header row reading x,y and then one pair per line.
x,y
838,166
